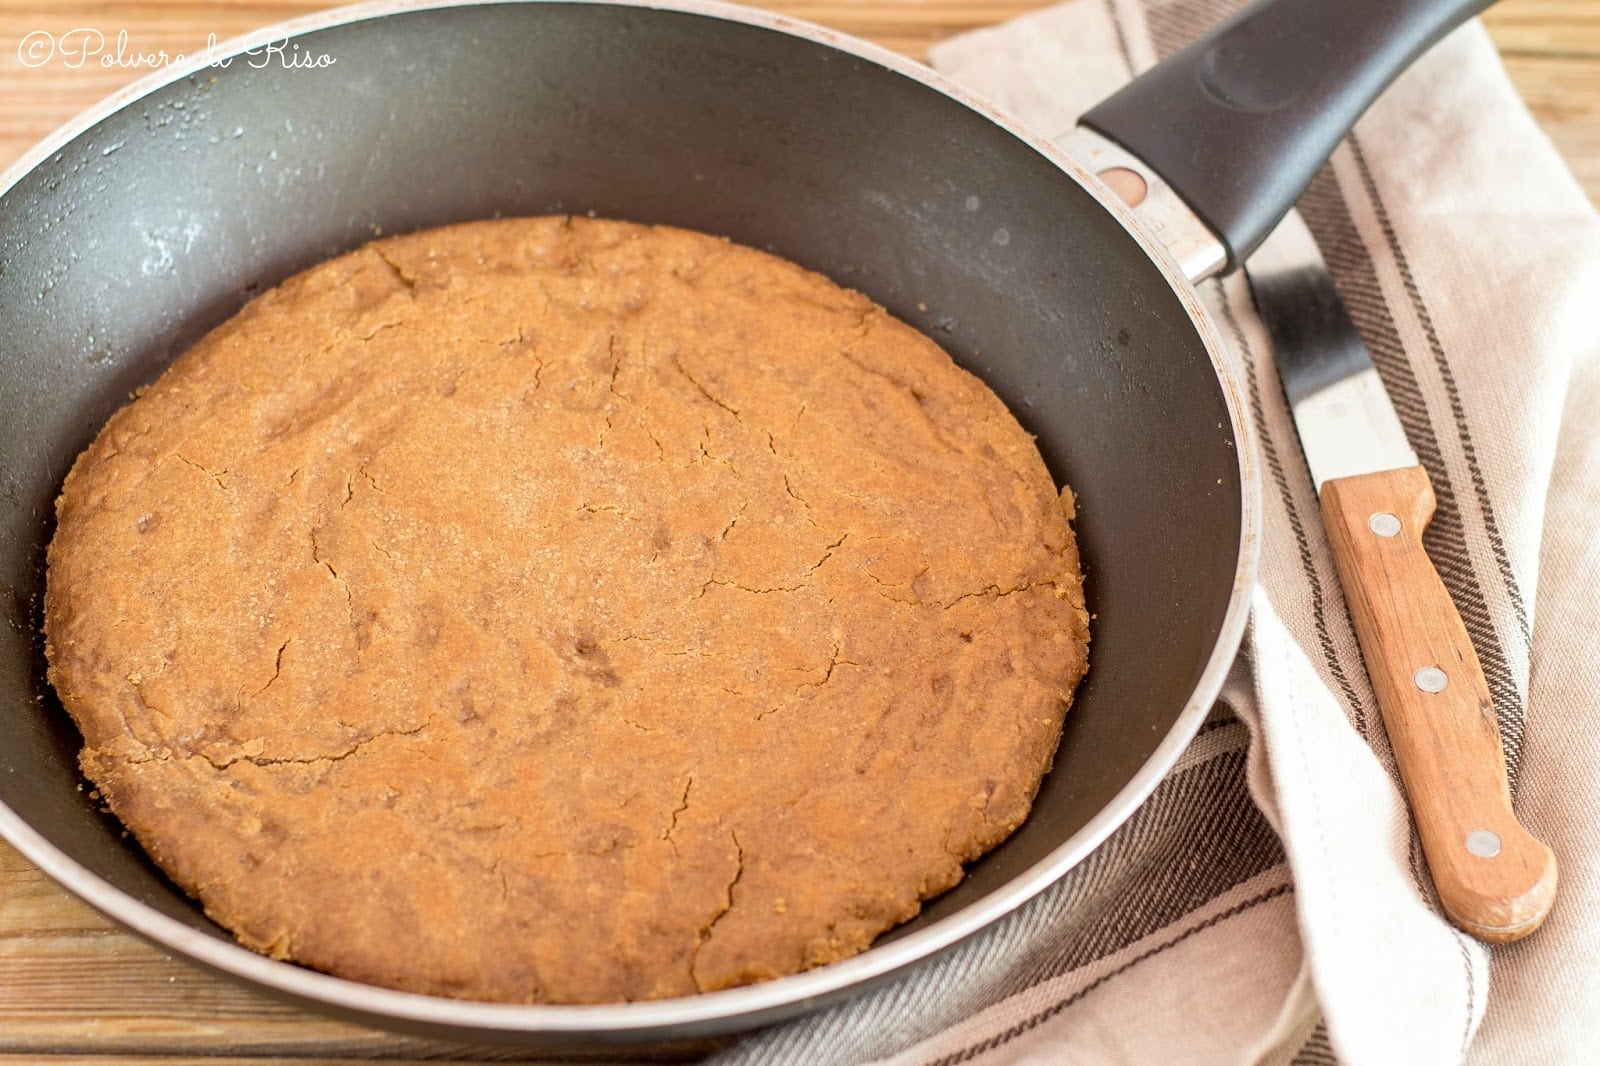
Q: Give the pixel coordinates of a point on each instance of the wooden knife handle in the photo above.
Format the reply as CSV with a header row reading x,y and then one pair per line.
x,y
1495,879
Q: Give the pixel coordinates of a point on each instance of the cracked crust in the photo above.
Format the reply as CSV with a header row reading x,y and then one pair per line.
x,y
564,610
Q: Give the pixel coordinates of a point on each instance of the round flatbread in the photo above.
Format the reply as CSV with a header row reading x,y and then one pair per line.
x,y
564,610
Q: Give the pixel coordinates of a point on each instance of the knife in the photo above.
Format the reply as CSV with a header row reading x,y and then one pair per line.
x,y
1495,880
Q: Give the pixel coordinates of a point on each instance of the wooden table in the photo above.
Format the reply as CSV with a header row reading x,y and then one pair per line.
x,y
72,984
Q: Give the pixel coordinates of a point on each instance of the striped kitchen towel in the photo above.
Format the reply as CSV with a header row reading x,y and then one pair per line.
x,y
1270,902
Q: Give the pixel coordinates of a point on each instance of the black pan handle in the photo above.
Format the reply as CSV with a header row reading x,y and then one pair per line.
x,y
1238,122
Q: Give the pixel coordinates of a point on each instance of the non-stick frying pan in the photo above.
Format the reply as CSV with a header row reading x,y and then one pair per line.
x,y
158,214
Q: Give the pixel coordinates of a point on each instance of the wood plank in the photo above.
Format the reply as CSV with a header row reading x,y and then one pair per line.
x,y
1564,95
1566,28
269,1060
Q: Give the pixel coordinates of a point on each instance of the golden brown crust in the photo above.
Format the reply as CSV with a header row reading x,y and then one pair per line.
x,y
564,610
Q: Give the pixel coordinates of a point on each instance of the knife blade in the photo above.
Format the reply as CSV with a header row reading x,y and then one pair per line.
x,y
1346,422
1495,880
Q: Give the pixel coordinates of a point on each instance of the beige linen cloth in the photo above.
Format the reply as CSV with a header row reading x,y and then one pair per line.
x,y
1270,903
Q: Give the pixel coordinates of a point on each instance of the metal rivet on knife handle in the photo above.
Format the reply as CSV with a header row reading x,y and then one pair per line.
x,y
1431,679
1483,843
1384,524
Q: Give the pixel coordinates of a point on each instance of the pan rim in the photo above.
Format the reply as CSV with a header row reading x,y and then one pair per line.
x,y
751,1005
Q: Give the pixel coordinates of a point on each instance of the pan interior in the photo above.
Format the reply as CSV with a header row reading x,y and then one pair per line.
x,y
150,227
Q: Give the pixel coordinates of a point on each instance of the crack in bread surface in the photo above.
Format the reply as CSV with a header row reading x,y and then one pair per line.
x,y
528,585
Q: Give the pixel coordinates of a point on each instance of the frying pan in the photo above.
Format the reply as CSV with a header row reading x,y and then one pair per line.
x,y
156,215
